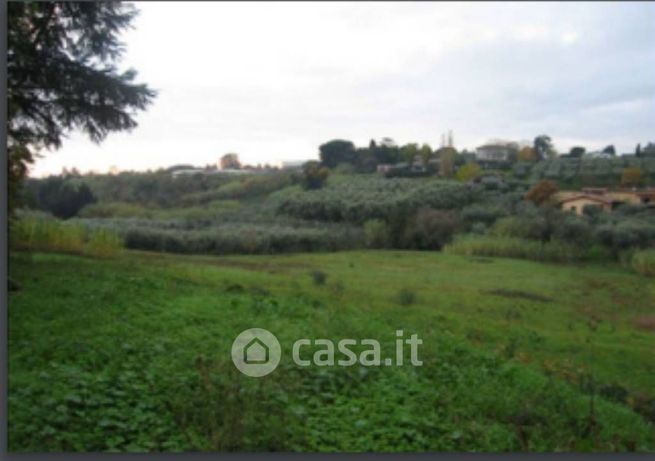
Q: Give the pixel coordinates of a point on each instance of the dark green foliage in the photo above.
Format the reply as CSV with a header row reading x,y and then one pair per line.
x,y
64,197
335,152
62,75
314,175
586,171
361,199
12,285
482,213
241,188
627,234
19,157
318,277
614,392
573,229
648,151
243,238
377,234
528,227
430,229
406,297
577,152
543,146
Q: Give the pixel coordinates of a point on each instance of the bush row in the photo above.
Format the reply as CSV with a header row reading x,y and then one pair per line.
x,y
512,247
374,198
597,170
247,239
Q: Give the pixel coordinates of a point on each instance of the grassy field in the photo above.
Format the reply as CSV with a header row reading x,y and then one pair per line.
x,y
133,354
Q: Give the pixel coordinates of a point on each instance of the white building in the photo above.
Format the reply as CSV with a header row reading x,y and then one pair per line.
x,y
497,151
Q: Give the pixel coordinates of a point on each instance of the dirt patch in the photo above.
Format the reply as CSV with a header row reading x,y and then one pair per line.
x,y
645,323
518,294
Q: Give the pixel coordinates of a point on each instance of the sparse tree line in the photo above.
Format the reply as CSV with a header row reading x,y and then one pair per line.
x,y
343,156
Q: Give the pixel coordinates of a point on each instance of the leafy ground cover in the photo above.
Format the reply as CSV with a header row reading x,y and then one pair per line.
x,y
133,354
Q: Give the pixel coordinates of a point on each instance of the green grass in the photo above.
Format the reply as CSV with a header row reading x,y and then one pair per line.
x,y
132,354
644,262
515,247
35,233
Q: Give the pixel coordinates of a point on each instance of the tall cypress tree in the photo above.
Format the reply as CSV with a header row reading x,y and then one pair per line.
x,y
62,75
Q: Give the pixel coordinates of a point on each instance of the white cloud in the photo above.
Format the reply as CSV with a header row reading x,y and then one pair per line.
x,y
274,80
569,37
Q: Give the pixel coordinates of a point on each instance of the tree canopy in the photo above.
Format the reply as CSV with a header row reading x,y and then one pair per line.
x,y
543,147
577,151
62,75
336,151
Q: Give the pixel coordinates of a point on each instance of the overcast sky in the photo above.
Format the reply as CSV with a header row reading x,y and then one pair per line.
x,y
273,81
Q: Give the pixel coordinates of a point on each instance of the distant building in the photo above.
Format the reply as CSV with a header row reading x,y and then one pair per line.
x,y
577,203
187,172
231,171
499,151
599,154
404,169
603,198
292,164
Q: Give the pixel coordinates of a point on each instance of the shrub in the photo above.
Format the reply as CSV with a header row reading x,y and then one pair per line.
x,y
103,243
541,192
357,199
64,197
631,177
644,262
521,227
377,234
482,213
554,251
593,211
248,238
318,277
468,172
33,233
629,233
478,228
115,209
242,188
406,297
314,175
573,229
344,168
430,229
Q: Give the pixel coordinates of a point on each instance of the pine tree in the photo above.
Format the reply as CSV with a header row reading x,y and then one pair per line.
x,y
62,75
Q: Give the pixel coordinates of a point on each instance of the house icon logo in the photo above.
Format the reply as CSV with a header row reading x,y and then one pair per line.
x,y
256,352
